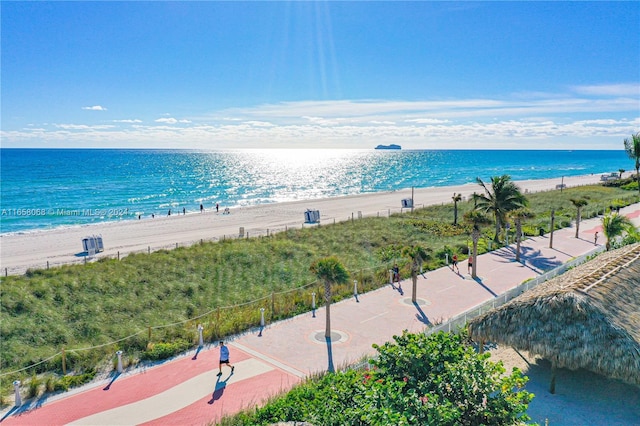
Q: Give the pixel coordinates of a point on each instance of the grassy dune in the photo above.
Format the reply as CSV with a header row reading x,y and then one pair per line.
x,y
162,296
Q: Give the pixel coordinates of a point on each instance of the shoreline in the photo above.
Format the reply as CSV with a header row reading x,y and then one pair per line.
x,y
63,245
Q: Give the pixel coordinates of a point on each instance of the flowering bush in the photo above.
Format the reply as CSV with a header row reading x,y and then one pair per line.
x,y
416,380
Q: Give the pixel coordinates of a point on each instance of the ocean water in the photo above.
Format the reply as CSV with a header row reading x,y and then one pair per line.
x,y
48,188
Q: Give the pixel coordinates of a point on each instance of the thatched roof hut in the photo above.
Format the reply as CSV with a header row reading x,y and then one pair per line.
x,y
587,318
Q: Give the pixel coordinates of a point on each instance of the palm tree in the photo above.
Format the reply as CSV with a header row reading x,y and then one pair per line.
x,y
503,196
416,255
614,225
476,218
632,147
518,216
330,271
455,198
578,203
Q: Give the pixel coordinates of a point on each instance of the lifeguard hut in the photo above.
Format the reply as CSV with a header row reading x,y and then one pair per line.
x,y
92,244
312,216
407,203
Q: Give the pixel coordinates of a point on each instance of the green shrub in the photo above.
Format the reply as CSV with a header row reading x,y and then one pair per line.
x,y
67,382
530,230
49,384
34,385
418,379
160,351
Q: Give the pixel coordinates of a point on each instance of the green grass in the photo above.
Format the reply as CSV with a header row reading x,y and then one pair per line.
x,y
223,285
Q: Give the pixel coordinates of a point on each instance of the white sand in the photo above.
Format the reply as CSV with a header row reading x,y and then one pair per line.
x,y
581,397
64,245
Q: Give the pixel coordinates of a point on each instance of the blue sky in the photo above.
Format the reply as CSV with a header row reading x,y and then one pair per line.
x,y
219,75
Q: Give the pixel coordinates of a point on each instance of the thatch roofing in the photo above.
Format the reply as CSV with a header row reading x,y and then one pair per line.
x,y
587,318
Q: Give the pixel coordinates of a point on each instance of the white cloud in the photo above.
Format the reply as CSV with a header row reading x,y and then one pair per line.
x,y
594,117
128,121
171,120
543,133
427,121
259,123
629,89
167,120
94,108
83,127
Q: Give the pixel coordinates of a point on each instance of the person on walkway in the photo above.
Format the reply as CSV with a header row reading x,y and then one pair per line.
x,y
224,358
454,264
595,239
470,263
396,273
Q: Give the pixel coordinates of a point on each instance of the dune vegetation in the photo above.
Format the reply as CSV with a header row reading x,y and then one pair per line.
x,y
72,319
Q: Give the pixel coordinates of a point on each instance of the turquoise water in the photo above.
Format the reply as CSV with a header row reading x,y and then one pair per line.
x,y
48,188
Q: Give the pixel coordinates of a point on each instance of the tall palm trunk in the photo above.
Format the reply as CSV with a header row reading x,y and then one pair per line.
x,y
518,237
578,218
327,298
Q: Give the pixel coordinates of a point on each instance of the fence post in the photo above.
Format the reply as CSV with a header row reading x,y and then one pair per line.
x,y
261,317
313,304
200,339
47,264
119,367
148,249
273,305
118,254
16,389
64,363
149,336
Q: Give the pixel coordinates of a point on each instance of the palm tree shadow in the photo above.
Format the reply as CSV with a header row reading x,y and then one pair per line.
x,y
330,367
533,258
421,316
530,258
219,390
479,281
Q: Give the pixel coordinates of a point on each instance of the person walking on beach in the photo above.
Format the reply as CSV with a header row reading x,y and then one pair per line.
x,y
224,358
184,211
201,208
454,263
217,207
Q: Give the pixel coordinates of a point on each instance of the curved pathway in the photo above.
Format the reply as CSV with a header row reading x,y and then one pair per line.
x,y
187,391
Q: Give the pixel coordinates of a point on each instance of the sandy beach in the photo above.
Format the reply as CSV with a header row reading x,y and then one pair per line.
x,y
39,249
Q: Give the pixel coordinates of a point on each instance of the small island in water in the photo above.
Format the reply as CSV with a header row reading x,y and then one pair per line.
x,y
392,146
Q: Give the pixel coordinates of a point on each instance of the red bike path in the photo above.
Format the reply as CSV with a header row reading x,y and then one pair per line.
x,y
187,391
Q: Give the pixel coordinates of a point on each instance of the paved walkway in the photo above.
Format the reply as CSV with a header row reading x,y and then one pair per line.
x,y
186,391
